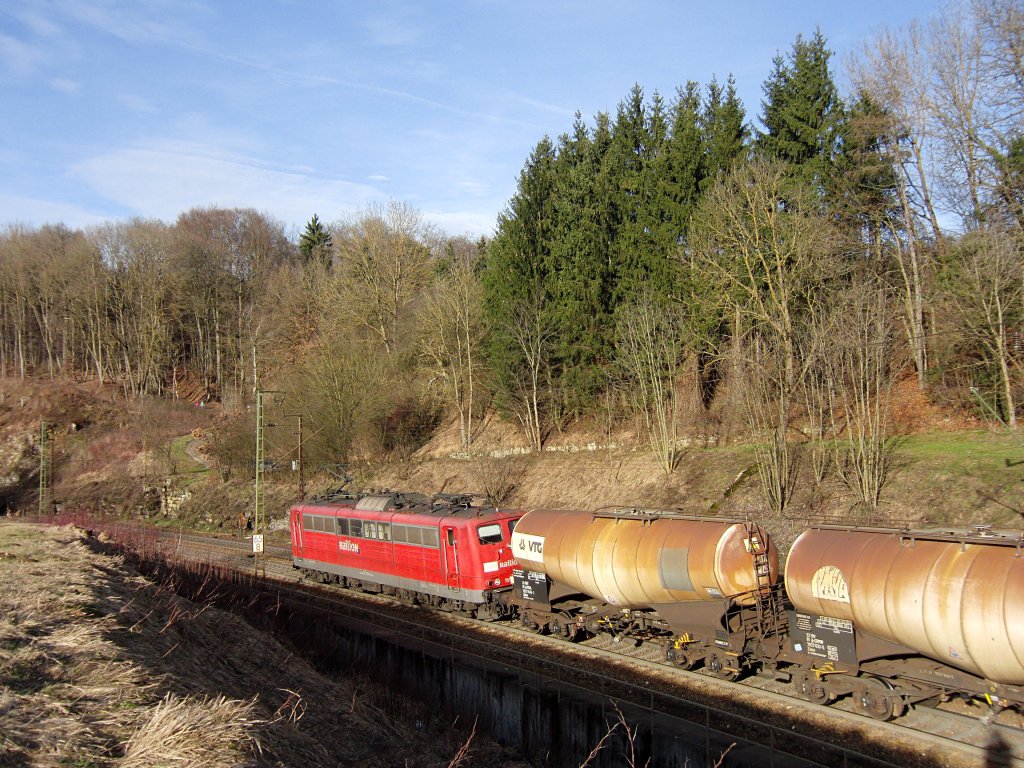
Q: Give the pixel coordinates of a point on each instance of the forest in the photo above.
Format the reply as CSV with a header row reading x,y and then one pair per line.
x,y
680,265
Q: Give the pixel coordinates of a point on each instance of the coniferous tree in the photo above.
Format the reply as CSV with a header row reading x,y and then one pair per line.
x,y
679,169
724,130
802,111
316,242
624,169
517,302
578,271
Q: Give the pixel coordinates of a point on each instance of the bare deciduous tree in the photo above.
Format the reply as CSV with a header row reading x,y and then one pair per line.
x,y
862,370
453,328
650,351
384,265
984,287
768,253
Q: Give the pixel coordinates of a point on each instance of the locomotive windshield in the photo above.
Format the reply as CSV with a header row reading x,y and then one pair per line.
x,y
489,534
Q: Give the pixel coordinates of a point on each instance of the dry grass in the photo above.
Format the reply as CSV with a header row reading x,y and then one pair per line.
x,y
100,667
216,733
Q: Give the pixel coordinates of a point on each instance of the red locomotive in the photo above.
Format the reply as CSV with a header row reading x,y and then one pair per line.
x,y
441,551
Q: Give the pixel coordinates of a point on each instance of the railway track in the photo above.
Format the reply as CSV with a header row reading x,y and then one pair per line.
x,y
953,732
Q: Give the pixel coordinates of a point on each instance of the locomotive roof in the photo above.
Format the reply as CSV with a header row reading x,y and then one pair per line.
x,y
438,505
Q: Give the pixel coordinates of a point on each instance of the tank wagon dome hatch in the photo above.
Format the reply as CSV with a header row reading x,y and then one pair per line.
x,y
646,558
949,594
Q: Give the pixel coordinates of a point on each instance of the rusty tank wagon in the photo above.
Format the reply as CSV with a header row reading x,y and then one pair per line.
x,y
895,617
705,587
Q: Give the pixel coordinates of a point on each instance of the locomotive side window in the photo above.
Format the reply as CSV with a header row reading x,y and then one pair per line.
x,y
398,534
384,531
318,523
342,524
451,536
430,538
489,534
414,534
307,522
355,528
369,529
512,528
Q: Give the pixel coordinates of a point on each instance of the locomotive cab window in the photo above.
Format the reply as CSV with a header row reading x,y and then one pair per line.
x,y
489,534
451,535
343,526
512,527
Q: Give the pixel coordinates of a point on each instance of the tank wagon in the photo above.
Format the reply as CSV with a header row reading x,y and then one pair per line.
x,y
896,617
706,587
440,551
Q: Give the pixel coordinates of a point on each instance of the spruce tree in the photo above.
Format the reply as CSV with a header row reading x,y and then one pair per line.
x,y
517,301
724,130
315,242
578,270
802,111
626,172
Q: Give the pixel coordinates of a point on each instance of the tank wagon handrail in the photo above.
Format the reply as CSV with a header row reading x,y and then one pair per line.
x,y
1002,537
640,513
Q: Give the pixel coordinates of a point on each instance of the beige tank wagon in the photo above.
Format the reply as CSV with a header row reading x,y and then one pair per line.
x,y
956,597
642,558
704,587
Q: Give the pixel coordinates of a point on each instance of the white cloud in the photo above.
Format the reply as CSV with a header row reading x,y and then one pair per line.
x,y
164,179
472,223
64,85
36,212
378,177
19,56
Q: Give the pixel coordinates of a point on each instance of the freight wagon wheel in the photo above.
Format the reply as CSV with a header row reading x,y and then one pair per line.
x,y
875,698
719,667
562,625
812,689
679,658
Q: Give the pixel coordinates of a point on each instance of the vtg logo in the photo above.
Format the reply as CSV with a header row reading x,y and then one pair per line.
x,y
528,546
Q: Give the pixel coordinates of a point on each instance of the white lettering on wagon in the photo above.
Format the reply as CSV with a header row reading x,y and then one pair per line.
x,y
526,546
829,583
348,546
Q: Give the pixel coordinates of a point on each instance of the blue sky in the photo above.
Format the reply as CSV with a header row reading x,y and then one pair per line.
x,y
112,109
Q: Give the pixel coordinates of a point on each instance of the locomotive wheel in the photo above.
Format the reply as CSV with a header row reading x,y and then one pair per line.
x,y
812,689
876,699
718,667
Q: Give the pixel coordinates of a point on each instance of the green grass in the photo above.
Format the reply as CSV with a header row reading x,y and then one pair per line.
x,y
181,459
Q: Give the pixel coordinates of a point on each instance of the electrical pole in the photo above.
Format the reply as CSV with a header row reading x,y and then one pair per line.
x,y
44,469
259,515
302,471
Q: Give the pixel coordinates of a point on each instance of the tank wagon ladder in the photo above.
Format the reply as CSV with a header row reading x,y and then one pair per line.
x,y
770,616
